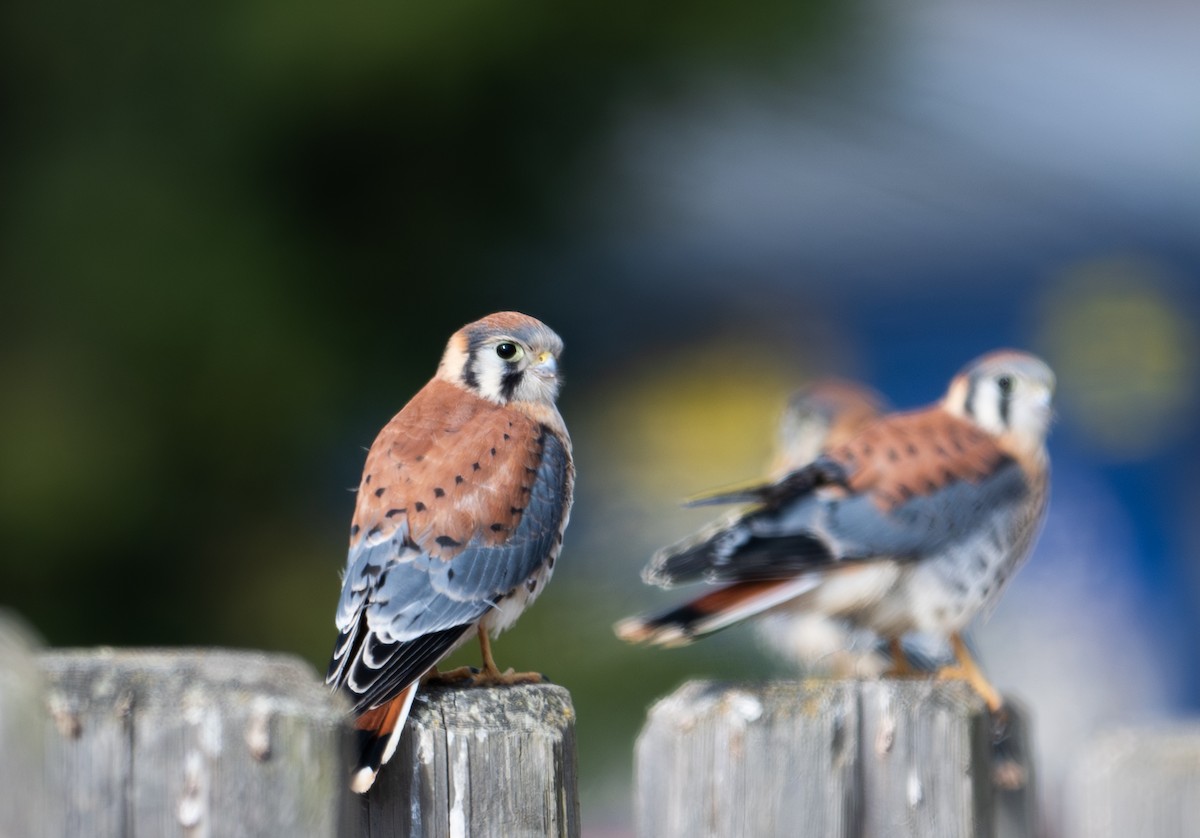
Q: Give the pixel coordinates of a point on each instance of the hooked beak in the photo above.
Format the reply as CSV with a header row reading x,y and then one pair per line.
x,y
546,366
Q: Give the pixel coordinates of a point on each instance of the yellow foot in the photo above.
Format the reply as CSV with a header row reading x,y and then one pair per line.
x,y
975,681
451,676
491,675
506,678
967,670
900,667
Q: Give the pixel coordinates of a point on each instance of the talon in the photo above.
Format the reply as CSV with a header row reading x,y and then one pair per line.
x,y
967,670
900,667
451,676
507,678
491,674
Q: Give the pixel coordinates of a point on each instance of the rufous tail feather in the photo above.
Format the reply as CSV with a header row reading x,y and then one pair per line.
x,y
378,732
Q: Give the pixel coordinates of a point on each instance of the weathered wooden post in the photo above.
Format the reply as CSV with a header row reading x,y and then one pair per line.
x,y
216,743
478,762
25,804
194,743
858,759
1137,782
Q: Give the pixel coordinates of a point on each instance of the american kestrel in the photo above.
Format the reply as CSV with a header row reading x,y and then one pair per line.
x,y
460,516
913,525
824,414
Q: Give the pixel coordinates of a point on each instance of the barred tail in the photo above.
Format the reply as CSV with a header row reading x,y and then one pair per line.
x,y
713,611
378,733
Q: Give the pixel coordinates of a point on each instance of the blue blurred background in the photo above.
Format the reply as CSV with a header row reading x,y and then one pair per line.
x,y
234,238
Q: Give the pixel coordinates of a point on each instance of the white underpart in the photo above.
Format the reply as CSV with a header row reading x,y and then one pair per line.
x,y
987,408
811,630
815,641
856,589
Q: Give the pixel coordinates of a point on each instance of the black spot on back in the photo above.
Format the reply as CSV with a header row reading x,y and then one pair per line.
x,y
420,507
439,492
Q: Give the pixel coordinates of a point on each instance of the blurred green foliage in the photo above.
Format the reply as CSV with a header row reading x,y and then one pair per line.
x,y
234,239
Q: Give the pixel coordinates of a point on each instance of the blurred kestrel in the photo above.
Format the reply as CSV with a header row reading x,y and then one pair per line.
x,y
460,516
915,524
824,414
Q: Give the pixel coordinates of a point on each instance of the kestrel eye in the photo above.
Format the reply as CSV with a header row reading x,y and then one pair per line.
x,y
508,351
1005,383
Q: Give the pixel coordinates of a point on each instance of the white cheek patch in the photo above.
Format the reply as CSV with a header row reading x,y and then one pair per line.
x,y
986,407
489,372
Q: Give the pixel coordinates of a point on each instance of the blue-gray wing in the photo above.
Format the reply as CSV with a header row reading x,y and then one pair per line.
x,y
407,600
817,529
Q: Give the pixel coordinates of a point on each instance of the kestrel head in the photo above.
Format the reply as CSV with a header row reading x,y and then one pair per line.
x,y
1007,393
505,357
825,414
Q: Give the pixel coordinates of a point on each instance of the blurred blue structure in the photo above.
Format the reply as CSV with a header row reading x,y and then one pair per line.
x,y
991,175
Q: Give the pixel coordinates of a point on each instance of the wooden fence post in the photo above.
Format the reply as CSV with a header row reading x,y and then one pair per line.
x,y
195,743
845,759
478,762
1137,782
25,808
